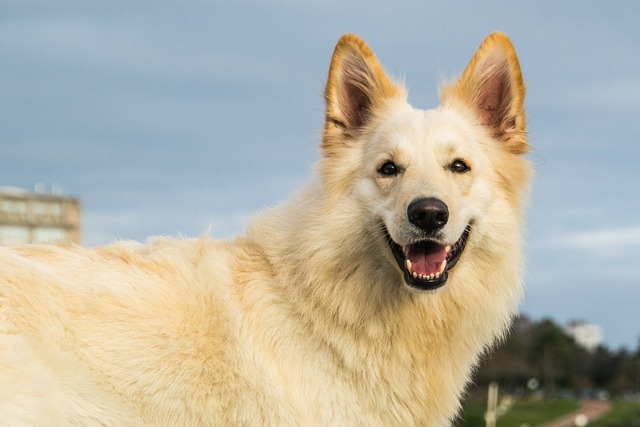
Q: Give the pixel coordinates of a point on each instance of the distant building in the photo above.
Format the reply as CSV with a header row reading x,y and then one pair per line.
x,y
38,217
587,335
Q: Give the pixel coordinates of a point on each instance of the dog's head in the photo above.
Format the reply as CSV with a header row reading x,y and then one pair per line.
x,y
430,182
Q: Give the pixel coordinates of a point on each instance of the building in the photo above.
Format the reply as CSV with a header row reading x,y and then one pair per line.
x,y
586,335
38,217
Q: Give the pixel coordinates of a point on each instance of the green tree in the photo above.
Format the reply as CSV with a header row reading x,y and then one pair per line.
x,y
543,350
553,353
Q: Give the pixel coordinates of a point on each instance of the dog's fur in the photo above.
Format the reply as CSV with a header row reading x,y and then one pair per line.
x,y
308,319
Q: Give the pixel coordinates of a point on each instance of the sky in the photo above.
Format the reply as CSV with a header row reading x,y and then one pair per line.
x,y
188,117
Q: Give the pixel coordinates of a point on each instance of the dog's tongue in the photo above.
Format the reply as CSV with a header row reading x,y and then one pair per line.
x,y
426,258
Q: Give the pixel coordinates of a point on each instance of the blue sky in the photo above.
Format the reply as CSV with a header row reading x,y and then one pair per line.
x,y
176,117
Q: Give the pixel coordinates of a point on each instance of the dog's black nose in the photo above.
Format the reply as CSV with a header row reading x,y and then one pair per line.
x,y
429,214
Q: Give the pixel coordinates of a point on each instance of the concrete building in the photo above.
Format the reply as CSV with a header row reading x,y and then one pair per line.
x,y
38,217
587,335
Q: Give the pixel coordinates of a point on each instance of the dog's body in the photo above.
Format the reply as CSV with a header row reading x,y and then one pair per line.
x,y
365,300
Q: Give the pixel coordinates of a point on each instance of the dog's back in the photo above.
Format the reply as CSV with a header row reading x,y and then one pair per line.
x,y
174,332
96,336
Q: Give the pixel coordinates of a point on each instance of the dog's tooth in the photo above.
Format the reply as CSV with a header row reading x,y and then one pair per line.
x,y
443,266
415,275
447,250
407,264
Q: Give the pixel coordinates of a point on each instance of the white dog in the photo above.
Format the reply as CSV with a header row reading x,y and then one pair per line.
x,y
364,300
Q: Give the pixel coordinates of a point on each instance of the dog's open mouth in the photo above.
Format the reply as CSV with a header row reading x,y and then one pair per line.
x,y
426,263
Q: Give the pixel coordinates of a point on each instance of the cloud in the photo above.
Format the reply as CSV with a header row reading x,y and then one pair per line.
x,y
603,243
127,50
100,226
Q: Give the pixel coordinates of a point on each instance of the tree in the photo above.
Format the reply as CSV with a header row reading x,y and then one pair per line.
x,y
553,353
543,350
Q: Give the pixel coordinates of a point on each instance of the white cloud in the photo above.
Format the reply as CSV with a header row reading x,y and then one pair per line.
x,y
128,48
604,243
101,228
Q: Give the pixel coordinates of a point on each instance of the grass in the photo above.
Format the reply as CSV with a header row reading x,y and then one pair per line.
x,y
532,412
622,414
536,412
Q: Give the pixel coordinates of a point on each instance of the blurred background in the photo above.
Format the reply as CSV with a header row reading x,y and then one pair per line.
x,y
120,120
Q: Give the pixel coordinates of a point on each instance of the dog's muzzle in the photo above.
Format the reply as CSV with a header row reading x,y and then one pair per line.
x,y
426,263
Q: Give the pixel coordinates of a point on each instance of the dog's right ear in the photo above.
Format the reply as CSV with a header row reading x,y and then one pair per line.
x,y
356,87
493,87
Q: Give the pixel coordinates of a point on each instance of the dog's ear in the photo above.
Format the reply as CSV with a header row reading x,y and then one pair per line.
x,y
356,87
493,87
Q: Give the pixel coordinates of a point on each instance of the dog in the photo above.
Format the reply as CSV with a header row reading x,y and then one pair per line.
x,y
366,299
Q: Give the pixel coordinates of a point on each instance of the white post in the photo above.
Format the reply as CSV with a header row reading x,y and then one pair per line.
x,y
492,404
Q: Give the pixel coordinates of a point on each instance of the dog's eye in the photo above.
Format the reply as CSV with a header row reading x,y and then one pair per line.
x,y
458,166
388,169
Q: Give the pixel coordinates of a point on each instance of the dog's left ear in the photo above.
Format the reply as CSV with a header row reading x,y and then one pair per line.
x,y
493,87
357,86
